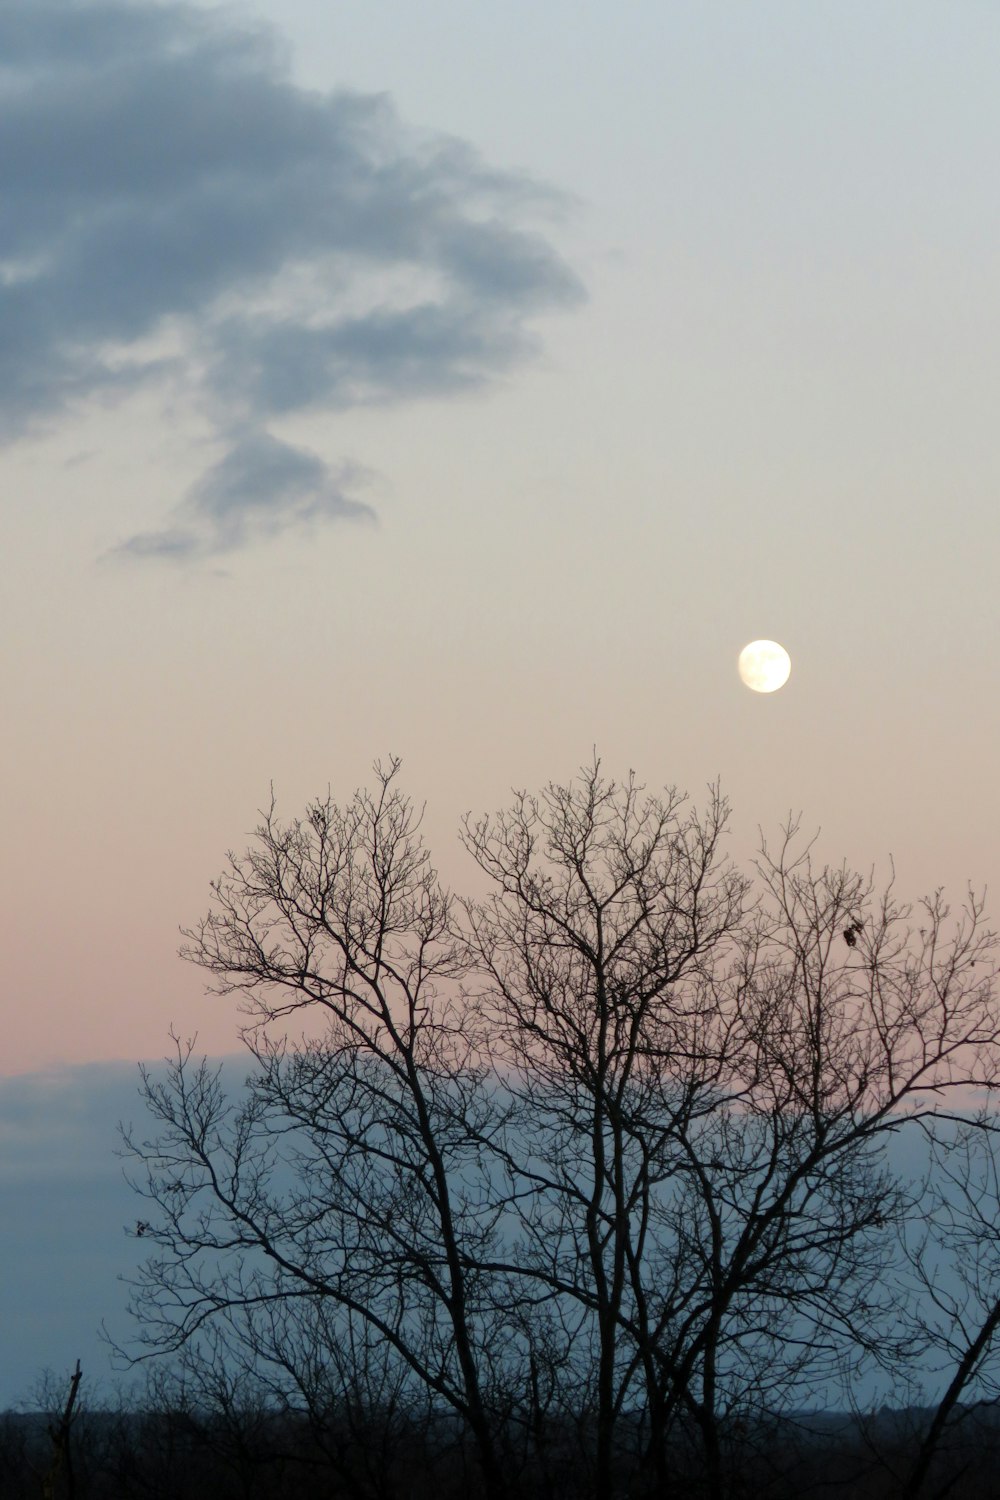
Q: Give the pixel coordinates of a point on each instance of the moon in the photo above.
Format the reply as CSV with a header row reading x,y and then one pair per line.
x,y
764,666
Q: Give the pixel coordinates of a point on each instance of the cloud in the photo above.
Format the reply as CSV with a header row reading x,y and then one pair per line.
x,y
384,355
62,1122
64,1208
261,487
176,211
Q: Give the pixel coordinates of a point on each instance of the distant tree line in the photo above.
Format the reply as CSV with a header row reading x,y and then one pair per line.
x,y
579,1186
184,1438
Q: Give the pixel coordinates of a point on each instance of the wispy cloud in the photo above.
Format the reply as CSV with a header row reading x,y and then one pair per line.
x,y
261,487
177,211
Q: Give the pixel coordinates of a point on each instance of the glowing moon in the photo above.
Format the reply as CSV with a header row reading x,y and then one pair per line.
x,y
764,666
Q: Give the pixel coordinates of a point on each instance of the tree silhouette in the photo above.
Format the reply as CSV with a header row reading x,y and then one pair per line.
x,y
585,1175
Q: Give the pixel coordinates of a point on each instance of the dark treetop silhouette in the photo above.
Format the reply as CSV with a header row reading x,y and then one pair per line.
x,y
587,1175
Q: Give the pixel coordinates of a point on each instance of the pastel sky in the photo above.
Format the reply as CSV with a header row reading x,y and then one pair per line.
x,y
472,382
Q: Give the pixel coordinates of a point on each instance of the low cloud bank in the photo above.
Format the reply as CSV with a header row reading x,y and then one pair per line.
x,y
64,1208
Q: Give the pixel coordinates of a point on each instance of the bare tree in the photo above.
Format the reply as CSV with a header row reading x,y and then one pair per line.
x,y
952,1249
59,1477
588,1174
706,1086
351,1177
612,919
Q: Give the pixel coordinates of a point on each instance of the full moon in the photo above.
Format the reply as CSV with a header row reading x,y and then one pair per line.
x,y
764,666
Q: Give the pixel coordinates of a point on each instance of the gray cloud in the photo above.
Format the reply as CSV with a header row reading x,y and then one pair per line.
x,y
261,487
64,1208
163,179
273,366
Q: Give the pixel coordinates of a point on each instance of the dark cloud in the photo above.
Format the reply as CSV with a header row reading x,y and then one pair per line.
x,y
163,179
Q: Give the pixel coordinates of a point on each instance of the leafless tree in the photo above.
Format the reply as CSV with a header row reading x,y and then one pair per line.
x,y
612,920
351,1176
705,1085
589,1173
952,1251
57,1475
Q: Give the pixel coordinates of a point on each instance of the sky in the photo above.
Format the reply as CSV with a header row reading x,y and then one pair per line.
x,y
470,383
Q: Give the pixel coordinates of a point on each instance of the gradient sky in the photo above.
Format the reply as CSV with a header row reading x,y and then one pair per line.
x,y
470,383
